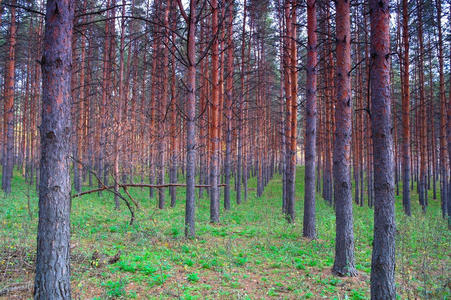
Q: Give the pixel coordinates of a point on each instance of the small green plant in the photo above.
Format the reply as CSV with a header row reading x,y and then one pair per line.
x,y
115,288
127,267
188,262
357,294
300,266
148,269
273,292
193,277
240,260
158,279
175,231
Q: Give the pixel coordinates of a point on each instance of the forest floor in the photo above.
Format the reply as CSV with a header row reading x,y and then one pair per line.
x,y
252,254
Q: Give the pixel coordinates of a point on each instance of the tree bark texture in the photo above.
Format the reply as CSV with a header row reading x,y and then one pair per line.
x,y
383,256
52,279
344,241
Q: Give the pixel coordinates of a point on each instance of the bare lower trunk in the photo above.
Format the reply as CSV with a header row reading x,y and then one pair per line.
x,y
214,161
309,229
344,241
190,211
8,154
52,279
383,256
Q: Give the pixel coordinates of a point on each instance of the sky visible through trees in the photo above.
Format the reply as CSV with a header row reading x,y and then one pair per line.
x,y
222,100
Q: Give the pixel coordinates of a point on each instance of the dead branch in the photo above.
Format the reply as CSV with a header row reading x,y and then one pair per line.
x,y
16,288
158,186
130,196
109,189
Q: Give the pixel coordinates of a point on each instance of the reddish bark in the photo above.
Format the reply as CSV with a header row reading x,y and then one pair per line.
x,y
383,256
444,167
344,241
8,148
215,105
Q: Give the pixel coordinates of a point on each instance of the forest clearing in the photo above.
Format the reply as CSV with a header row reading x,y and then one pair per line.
x,y
251,254
225,149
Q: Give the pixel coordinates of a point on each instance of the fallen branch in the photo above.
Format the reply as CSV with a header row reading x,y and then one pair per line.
x,y
130,196
16,288
109,189
124,186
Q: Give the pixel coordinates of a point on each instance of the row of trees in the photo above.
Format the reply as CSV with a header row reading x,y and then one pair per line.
x,y
216,90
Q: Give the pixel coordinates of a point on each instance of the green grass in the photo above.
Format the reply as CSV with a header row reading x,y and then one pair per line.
x,y
252,254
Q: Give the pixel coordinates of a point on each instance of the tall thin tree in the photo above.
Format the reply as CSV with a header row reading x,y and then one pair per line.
x,y
383,257
215,104
190,210
310,123
344,240
405,111
8,150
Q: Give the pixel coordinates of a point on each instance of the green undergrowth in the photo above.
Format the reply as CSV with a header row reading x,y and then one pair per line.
x,y
252,254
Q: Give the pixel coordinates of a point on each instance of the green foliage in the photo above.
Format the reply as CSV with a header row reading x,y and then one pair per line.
x,y
193,277
115,289
158,279
252,254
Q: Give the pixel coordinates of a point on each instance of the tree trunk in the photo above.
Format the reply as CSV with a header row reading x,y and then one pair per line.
x,y
443,126
383,257
52,279
190,212
8,151
239,170
310,124
405,112
228,113
292,104
118,111
214,138
162,110
174,148
422,188
79,166
344,241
